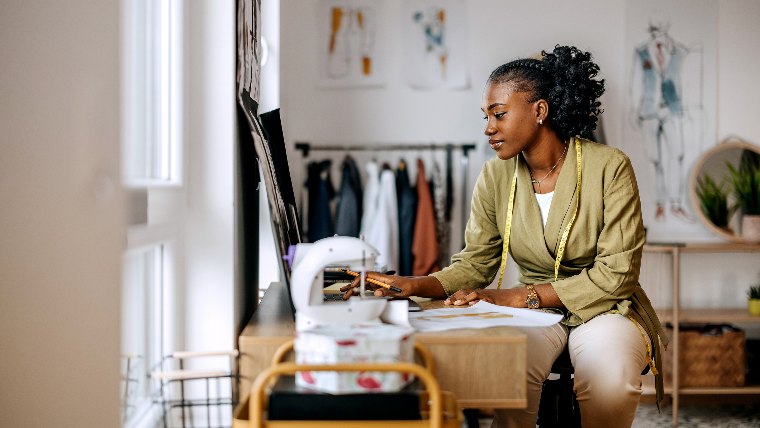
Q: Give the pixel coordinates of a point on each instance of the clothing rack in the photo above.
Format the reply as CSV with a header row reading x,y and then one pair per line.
x,y
305,148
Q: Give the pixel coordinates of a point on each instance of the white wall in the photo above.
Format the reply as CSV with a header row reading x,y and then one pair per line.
x,y
499,31
269,266
209,216
269,94
61,222
737,69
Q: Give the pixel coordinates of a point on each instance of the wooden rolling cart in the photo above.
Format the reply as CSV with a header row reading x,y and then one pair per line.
x,y
438,408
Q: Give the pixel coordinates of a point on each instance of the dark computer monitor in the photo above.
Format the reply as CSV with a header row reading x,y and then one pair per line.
x,y
272,127
282,201
269,149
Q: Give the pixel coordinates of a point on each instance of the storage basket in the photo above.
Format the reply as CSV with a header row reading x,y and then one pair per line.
x,y
709,355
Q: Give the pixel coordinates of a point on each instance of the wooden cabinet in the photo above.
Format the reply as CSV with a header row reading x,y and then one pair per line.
x,y
677,316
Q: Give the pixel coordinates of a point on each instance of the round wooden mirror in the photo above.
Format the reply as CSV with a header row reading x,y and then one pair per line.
x,y
711,188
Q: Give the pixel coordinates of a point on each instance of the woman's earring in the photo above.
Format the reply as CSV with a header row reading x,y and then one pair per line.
x,y
540,121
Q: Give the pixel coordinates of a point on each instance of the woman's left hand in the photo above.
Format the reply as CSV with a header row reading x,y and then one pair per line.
x,y
514,297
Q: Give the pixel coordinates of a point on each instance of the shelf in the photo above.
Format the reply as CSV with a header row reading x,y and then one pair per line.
x,y
697,315
709,315
743,390
702,248
740,390
648,389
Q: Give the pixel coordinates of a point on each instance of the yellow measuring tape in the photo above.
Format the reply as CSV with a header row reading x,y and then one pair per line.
x,y
648,343
563,240
565,234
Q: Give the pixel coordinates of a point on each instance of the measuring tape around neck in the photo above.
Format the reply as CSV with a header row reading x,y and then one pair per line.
x,y
565,234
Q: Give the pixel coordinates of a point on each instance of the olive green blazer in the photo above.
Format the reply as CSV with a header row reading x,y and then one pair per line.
x,y
599,272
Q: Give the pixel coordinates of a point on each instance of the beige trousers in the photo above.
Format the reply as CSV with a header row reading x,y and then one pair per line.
x,y
608,354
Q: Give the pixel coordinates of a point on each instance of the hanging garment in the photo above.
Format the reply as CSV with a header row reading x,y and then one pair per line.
x,y
321,193
449,181
425,244
380,222
369,200
442,229
407,211
349,212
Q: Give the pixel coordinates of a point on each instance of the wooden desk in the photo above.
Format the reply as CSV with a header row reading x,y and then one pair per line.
x,y
484,368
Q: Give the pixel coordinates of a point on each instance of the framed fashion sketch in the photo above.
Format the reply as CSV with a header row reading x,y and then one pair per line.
x,y
669,107
435,50
351,44
249,50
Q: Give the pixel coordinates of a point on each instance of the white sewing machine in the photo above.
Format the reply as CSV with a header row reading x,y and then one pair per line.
x,y
306,282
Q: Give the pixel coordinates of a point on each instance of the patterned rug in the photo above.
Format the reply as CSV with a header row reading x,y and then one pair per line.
x,y
699,416
690,416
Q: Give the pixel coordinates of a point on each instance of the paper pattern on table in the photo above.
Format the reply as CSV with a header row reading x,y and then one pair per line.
x,y
480,315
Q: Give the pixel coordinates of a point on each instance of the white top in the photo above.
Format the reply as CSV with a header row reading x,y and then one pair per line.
x,y
380,215
371,192
544,202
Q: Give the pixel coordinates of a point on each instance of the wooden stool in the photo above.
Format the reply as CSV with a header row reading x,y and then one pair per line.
x,y
558,406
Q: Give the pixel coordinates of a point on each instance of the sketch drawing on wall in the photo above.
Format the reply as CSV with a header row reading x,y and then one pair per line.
x,y
435,53
349,49
671,107
345,24
432,34
249,48
661,115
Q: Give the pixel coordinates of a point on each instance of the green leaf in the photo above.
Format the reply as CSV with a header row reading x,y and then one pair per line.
x,y
713,201
745,182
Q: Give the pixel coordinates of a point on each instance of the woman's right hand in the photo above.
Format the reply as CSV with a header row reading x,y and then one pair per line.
x,y
406,285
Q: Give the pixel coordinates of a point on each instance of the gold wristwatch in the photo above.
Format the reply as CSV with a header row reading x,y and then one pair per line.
x,y
532,301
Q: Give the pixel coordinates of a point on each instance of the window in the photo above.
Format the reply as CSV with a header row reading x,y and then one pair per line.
x,y
152,80
142,324
152,160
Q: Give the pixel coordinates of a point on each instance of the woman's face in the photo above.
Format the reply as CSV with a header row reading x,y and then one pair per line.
x,y
511,121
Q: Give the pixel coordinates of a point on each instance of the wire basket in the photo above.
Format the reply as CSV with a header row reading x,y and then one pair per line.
x,y
200,396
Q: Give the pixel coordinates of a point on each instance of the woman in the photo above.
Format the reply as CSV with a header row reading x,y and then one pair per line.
x,y
573,227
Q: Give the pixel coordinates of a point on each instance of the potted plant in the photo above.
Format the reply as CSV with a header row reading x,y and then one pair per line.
x,y
746,187
713,201
753,304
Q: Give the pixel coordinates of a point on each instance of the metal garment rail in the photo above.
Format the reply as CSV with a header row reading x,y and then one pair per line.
x,y
305,148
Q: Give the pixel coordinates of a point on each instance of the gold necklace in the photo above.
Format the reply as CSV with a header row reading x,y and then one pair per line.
x,y
534,181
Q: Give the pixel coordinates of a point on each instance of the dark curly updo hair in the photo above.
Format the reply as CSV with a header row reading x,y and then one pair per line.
x,y
565,78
